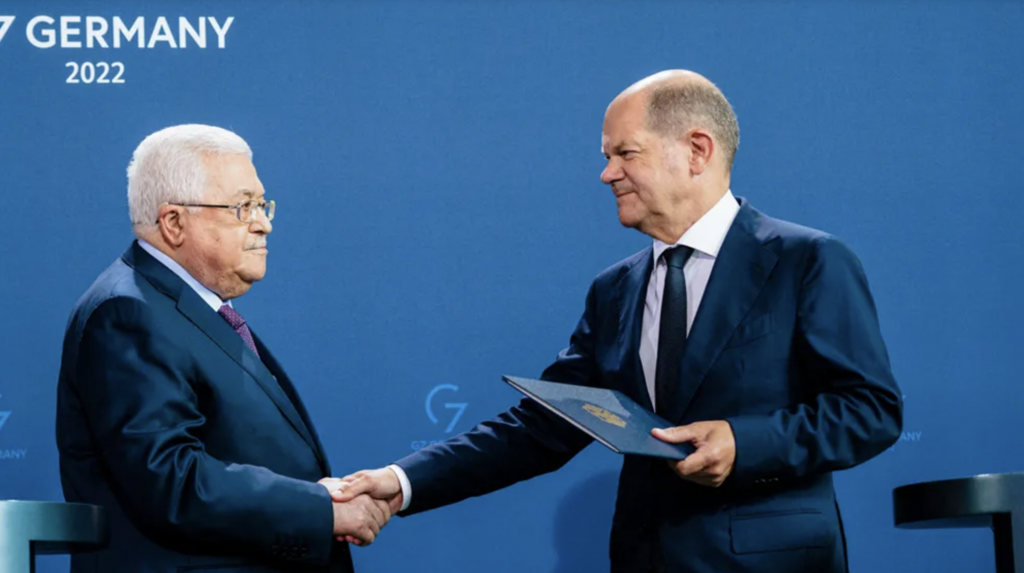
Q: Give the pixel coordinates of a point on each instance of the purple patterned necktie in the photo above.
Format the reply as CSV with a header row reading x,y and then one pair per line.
x,y
238,323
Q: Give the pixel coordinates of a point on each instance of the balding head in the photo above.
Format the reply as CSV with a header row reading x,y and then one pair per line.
x,y
680,100
669,140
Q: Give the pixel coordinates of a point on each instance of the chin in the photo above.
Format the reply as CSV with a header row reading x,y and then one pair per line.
x,y
252,273
628,220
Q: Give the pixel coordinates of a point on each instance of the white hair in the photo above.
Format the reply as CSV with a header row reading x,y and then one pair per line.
x,y
168,167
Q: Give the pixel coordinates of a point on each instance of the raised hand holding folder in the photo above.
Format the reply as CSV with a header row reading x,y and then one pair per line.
x,y
608,416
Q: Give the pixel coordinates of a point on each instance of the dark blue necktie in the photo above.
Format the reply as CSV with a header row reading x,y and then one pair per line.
x,y
672,330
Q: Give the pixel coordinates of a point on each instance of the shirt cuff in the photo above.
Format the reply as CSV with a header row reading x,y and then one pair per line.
x,y
406,486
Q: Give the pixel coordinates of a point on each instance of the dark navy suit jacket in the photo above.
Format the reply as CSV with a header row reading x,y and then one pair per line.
x,y
202,452
785,346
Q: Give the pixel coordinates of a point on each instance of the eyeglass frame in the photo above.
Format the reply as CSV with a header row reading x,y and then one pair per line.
x,y
263,206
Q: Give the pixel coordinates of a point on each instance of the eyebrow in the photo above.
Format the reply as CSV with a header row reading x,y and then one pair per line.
x,y
617,148
246,192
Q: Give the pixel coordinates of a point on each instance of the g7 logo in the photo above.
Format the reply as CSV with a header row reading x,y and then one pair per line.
x,y
459,407
3,417
5,23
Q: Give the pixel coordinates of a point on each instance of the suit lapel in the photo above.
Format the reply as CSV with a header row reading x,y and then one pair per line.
x,y
631,295
285,383
194,308
741,269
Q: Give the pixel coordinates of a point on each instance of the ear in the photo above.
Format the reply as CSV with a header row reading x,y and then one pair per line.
x,y
172,221
702,148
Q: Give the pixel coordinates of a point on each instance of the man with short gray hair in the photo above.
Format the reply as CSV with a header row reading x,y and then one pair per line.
x,y
171,412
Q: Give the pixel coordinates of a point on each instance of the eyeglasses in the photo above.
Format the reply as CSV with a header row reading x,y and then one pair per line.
x,y
245,211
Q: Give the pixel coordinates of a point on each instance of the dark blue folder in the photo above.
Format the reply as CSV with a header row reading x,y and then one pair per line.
x,y
608,416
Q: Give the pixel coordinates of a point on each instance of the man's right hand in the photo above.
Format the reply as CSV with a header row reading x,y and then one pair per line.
x,y
360,518
381,484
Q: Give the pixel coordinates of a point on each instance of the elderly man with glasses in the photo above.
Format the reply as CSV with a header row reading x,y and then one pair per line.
x,y
171,412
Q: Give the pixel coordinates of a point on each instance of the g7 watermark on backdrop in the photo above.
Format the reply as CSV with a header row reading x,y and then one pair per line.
x,y
9,454
441,413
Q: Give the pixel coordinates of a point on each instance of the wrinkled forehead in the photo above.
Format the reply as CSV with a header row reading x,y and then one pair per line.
x,y
231,177
624,120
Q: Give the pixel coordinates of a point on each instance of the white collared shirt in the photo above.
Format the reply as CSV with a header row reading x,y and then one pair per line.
x,y
204,293
705,237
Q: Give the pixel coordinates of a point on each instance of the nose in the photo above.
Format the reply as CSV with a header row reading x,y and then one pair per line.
x,y
261,224
612,172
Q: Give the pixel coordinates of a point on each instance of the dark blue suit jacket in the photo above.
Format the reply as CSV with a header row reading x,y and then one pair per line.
x,y
786,347
167,419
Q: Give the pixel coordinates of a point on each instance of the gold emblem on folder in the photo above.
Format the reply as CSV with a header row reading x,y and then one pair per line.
x,y
604,415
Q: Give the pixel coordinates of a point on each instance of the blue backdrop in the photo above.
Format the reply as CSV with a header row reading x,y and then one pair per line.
x,y
440,219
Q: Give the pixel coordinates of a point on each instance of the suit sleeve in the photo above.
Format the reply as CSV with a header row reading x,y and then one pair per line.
x,y
854,408
521,443
134,384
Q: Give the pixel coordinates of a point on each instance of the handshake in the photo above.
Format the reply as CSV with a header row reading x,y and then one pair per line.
x,y
363,503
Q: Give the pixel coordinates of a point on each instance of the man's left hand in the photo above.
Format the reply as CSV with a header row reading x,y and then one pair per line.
x,y
712,463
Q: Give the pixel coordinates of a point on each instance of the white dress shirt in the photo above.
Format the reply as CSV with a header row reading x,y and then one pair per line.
x,y
206,294
705,237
